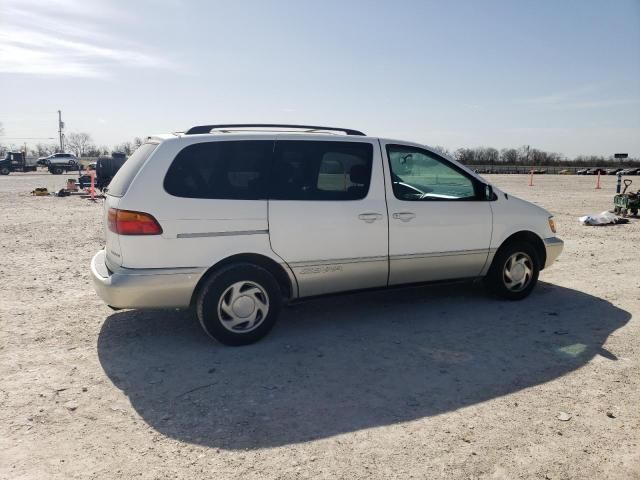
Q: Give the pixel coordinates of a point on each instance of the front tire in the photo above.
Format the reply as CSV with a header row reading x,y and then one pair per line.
x,y
514,271
4,171
239,304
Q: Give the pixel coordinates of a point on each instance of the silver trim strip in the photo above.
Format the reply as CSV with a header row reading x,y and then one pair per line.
x,y
483,251
313,263
222,234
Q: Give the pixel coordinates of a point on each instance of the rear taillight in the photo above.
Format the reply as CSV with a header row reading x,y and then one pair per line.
x,y
126,222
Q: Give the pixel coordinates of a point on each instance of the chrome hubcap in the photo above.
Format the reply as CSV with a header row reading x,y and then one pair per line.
x,y
518,271
243,307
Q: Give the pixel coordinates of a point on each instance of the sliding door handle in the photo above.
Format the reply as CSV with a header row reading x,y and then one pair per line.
x,y
404,216
370,217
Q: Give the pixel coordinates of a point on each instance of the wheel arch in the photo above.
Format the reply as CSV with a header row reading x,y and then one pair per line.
x,y
528,237
285,280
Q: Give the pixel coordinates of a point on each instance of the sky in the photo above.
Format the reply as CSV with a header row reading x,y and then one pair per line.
x,y
561,76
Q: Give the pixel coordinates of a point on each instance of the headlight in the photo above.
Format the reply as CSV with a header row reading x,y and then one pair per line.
x,y
552,224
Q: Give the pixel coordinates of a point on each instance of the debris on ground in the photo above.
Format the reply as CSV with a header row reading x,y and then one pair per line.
x,y
603,218
40,192
564,416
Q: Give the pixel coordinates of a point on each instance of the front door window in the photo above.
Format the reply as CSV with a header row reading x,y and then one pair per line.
x,y
421,175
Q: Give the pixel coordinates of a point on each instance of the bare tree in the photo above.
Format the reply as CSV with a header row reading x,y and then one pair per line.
x,y
92,151
125,147
44,149
441,150
78,142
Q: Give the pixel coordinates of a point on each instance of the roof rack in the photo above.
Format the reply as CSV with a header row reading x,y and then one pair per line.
x,y
310,128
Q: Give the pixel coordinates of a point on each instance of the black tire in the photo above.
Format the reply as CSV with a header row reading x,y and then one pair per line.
x,y
4,171
215,291
57,170
497,280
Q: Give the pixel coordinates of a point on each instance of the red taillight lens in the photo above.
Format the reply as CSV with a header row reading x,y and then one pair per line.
x,y
126,222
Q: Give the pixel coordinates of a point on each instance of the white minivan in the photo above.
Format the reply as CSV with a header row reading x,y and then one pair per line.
x,y
235,220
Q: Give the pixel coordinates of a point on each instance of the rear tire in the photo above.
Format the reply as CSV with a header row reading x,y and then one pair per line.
x,y
239,304
514,271
4,171
57,171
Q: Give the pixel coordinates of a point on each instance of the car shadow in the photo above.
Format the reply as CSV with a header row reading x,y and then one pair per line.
x,y
345,363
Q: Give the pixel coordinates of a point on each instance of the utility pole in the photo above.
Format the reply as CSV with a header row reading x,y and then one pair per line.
x,y
60,133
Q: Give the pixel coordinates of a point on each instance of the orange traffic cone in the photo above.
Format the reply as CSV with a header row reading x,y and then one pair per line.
x,y
531,179
598,181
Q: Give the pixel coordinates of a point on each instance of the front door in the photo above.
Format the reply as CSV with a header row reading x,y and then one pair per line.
x,y
327,214
440,221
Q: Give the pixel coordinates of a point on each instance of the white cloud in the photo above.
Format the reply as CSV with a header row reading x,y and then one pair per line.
x,y
578,98
65,40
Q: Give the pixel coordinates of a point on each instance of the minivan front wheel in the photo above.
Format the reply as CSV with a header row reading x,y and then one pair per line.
x,y
514,271
239,304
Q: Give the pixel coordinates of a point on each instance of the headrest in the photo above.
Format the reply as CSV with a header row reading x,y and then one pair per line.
x,y
359,174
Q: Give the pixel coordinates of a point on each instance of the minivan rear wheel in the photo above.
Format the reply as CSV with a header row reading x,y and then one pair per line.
x,y
514,271
239,304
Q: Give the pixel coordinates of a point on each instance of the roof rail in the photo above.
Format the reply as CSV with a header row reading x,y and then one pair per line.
x,y
311,128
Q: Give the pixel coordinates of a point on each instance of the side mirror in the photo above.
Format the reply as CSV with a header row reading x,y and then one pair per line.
x,y
488,193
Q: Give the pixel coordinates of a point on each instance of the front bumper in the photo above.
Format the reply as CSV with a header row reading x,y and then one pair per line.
x,y
143,288
554,247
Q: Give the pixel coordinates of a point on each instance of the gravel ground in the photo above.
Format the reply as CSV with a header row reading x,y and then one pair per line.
x,y
440,382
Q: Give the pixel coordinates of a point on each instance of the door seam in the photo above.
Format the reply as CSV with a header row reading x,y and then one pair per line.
x,y
386,205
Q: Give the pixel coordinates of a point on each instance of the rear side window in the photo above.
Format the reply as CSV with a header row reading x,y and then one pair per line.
x,y
121,181
235,170
310,170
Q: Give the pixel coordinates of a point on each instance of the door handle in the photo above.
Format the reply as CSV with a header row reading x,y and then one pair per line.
x,y
404,216
370,217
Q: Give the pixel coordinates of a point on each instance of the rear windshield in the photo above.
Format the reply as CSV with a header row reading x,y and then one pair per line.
x,y
121,181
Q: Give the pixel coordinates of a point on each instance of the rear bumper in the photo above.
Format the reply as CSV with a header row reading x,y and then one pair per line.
x,y
554,247
143,288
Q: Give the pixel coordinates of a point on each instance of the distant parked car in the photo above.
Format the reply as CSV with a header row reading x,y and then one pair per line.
x,y
59,163
584,171
596,171
613,171
631,171
565,171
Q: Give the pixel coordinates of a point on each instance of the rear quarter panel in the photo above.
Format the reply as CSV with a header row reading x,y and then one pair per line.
x,y
198,218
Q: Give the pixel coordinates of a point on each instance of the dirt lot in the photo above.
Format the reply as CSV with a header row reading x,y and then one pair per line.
x,y
441,382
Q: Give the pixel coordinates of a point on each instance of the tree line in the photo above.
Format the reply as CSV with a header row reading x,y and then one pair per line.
x,y
528,156
82,145
79,143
